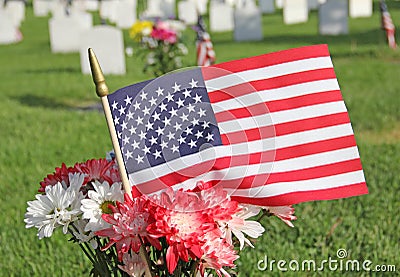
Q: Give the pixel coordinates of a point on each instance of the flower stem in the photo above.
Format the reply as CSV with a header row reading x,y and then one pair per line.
x,y
145,258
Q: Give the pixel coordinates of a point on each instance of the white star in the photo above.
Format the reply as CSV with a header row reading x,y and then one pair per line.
x,y
135,144
173,112
197,98
139,120
114,105
157,154
206,124
128,100
195,121
166,121
142,135
176,87
199,134
136,105
149,125
193,83
160,131
159,91
192,143
125,140
186,93
210,137
119,135
177,126
153,101
188,130
124,125
175,148
190,107
146,111
201,112
156,116
143,95
164,144
181,140
170,136
129,115
128,154
153,140
121,110
146,149
116,120
139,159
170,97
163,107
132,130
184,117
180,103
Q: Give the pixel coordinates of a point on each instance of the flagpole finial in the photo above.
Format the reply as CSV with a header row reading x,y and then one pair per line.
x,y
97,74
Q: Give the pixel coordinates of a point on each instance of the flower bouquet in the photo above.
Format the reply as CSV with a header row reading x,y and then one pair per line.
x,y
162,44
174,233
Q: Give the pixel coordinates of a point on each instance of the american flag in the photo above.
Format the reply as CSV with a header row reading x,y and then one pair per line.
x,y
204,46
272,130
387,24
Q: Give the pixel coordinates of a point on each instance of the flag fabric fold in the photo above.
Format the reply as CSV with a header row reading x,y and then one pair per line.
x,y
387,24
204,47
272,130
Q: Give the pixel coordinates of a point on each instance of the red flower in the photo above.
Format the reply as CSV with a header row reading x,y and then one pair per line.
x,y
166,35
129,221
100,170
60,175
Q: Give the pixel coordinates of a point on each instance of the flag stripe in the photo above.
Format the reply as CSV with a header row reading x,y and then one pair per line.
x,y
267,60
309,195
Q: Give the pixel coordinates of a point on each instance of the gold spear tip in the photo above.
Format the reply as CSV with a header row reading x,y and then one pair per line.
x,y
97,74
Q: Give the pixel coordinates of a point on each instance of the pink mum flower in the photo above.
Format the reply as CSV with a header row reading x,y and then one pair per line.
x,y
99,170
129,221
217,253
164,34
283,212
183,230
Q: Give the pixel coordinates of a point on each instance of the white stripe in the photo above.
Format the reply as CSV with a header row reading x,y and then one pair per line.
x,y
285,116
240,172
276,94
329,182
268,72
210,154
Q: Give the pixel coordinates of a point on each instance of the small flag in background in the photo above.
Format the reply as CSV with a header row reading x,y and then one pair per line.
x,y
387,25
204,46
272,130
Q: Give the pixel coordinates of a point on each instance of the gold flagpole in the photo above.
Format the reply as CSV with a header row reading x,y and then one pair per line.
x,y
102,92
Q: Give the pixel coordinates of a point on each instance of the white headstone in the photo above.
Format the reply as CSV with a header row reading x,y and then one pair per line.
x,y
108,45
9,33
360,8
153,9
65,32
295,11
221,17
107,9
16,11
248,25
41,7
126,11
201,6
267,6
187,12
279,4
333,17
168,8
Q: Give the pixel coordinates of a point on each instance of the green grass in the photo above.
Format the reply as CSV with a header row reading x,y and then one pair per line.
x,y
42,126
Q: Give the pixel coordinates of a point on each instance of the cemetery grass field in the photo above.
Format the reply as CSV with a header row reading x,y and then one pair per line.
x,y
45,121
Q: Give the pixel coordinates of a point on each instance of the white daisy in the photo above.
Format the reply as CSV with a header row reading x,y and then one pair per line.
x,y
59,206
81,235
239,226
97,204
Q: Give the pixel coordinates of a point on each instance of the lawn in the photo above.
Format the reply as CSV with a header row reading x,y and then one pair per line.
x,y
44,123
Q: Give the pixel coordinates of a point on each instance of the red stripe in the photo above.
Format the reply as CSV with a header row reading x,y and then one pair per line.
x,y
285,128
280,105
261,180
304,196
245,159
270,59
271,83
